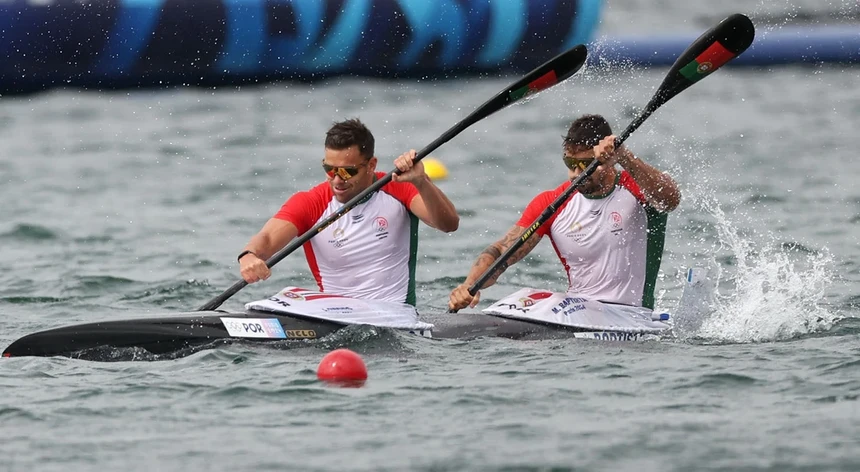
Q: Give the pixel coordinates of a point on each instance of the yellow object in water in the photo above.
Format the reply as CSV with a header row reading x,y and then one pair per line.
x,y
434,168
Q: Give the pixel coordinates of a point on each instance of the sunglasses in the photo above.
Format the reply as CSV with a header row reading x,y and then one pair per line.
x,y
344,172
573,163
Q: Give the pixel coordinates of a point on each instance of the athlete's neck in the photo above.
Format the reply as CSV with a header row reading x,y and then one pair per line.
x,y
606,185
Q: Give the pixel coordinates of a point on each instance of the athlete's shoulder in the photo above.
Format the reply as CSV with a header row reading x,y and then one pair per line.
x,y
403,192
626,181
303,207
538,204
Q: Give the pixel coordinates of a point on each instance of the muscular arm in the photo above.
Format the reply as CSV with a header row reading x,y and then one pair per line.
x,y
659,188
489,255
430,205
274,235
460,296
433,207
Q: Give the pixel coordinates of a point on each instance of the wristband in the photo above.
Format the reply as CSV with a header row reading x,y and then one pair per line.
x,y
243,254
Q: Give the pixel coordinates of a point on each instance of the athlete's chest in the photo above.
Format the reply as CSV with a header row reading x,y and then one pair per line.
x,y
593,224
379,222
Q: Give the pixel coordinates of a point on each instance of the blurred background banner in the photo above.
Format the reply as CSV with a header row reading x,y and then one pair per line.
x,y
121,43
146,43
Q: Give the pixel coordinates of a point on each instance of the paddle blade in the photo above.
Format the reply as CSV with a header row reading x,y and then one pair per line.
x,y
543,77
710,51
549,73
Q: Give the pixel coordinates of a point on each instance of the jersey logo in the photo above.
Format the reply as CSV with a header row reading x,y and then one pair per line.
x,y
380,226
575,232
617,222
357,217
338,240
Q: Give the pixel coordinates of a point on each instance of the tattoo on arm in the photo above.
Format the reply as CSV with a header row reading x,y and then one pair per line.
x,y
526,248
492,251
487,257
513,235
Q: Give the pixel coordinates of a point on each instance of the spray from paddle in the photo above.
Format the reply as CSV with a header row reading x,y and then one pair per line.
x,y
772,296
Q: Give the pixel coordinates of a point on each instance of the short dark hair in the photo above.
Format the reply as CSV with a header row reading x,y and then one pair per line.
x,y
586,131
348,133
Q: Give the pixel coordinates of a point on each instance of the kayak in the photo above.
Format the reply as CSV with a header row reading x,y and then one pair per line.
x,y
300,315
163,335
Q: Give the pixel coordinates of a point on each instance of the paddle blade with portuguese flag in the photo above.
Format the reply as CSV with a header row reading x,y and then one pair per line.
x,y
548,74
543,77
713,49
548,79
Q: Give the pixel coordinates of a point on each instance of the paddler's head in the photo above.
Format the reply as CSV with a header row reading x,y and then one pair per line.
x,y
349,162
578,145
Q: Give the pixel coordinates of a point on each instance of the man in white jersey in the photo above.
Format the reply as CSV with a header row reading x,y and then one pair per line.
x,y
370,252
609,234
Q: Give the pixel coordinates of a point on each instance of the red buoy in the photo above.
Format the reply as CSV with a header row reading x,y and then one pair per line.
x,y
342,367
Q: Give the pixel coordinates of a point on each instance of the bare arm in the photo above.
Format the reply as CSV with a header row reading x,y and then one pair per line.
x,y
660,190
274,235
430,205
460,297
658,187
433,207
489,255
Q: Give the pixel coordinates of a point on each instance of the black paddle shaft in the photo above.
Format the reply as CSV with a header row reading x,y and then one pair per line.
x,y
543,77
706,54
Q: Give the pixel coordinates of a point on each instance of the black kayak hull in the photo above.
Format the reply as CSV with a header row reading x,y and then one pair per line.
x,y
162,335
158,335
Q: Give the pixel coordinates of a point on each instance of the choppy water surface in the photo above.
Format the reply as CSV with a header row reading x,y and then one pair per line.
x,y
122,204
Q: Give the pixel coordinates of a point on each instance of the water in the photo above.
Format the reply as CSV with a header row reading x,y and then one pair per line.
x,y
123,204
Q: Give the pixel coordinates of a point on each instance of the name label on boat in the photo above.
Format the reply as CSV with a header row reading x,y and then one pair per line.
x,y
609,336
254,328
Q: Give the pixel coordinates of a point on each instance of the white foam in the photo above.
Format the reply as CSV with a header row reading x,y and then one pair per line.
x,y
775,294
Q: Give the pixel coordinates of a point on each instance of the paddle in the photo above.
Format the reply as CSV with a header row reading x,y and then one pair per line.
x,y
709,52
543,77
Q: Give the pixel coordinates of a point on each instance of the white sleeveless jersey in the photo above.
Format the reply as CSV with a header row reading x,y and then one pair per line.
x,y
368,253
610,246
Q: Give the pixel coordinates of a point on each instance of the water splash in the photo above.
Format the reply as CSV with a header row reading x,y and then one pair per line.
x,y
775,293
